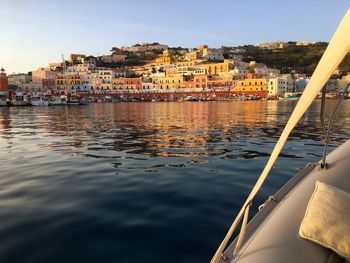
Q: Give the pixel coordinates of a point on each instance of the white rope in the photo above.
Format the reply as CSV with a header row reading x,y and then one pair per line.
x,y
334,54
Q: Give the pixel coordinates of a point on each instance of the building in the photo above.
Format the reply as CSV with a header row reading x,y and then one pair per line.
x,y
132,84
174,82
90,62
221,81
194,55
171,71
304,43
68,83
4,85
55,66
185,64
301,84
212,54
76,58
43,73
200,81
281,86
202,47
167,58
48,84
272,45
149,87
104,79
145,47
251,87
216,68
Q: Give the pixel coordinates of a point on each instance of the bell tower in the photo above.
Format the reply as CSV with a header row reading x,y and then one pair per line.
x,y
4,86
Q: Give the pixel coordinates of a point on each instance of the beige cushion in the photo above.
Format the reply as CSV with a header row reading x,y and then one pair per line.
x,y
327,219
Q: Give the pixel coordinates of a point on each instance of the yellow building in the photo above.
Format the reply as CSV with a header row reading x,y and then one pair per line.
x,y
216,68
250,85
68,83
185,64
171,72
167,58
68,80
202,47
194,55
167,82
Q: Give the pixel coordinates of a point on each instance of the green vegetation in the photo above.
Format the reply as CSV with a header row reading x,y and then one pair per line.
x,y
302,59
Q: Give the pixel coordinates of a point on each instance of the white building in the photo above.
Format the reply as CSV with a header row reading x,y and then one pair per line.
x,y
105,76
149,87
281,86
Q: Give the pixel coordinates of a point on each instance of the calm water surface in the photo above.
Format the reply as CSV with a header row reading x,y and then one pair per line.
x,y
141,182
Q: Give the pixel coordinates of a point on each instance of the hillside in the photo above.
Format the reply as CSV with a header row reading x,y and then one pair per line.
x,y
302,59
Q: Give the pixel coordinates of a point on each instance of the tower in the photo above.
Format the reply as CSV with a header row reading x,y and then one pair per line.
x,y
4,86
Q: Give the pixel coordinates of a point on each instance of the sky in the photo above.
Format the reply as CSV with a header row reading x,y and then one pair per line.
x,y
37,32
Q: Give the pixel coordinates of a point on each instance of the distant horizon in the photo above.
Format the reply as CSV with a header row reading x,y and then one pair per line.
x,y
36,33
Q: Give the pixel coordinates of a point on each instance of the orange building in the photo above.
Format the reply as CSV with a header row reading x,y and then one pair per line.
x,y
4,84
132,83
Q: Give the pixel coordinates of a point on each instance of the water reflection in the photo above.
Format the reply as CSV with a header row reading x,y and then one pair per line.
x,y
141,131
96,183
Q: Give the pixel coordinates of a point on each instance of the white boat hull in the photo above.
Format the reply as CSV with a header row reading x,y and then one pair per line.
x,y
40,103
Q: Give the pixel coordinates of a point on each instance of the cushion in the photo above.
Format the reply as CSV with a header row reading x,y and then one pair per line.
x,y
327,219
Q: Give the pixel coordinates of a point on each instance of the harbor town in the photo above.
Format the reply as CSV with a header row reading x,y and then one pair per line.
x,y
156,72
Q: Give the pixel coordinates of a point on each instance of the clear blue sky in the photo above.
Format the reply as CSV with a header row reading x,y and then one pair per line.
x,y
35,32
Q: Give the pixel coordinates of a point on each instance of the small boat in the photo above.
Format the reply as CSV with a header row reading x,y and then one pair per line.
x,y
292,96
4,99
40,100
72,100
58,100
19,99
83,101
275,233
191,99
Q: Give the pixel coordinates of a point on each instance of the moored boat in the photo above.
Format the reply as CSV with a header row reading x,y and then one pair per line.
x,y
20,99
4,99
72,100
83,101
40,100
60,100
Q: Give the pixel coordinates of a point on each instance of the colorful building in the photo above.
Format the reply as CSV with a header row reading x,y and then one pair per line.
x,y
43,73
167,58
185,64
174,82
216,68
251,87
132,83
68,83
194,55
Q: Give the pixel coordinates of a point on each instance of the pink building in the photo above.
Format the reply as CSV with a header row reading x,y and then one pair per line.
x,y
43,73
